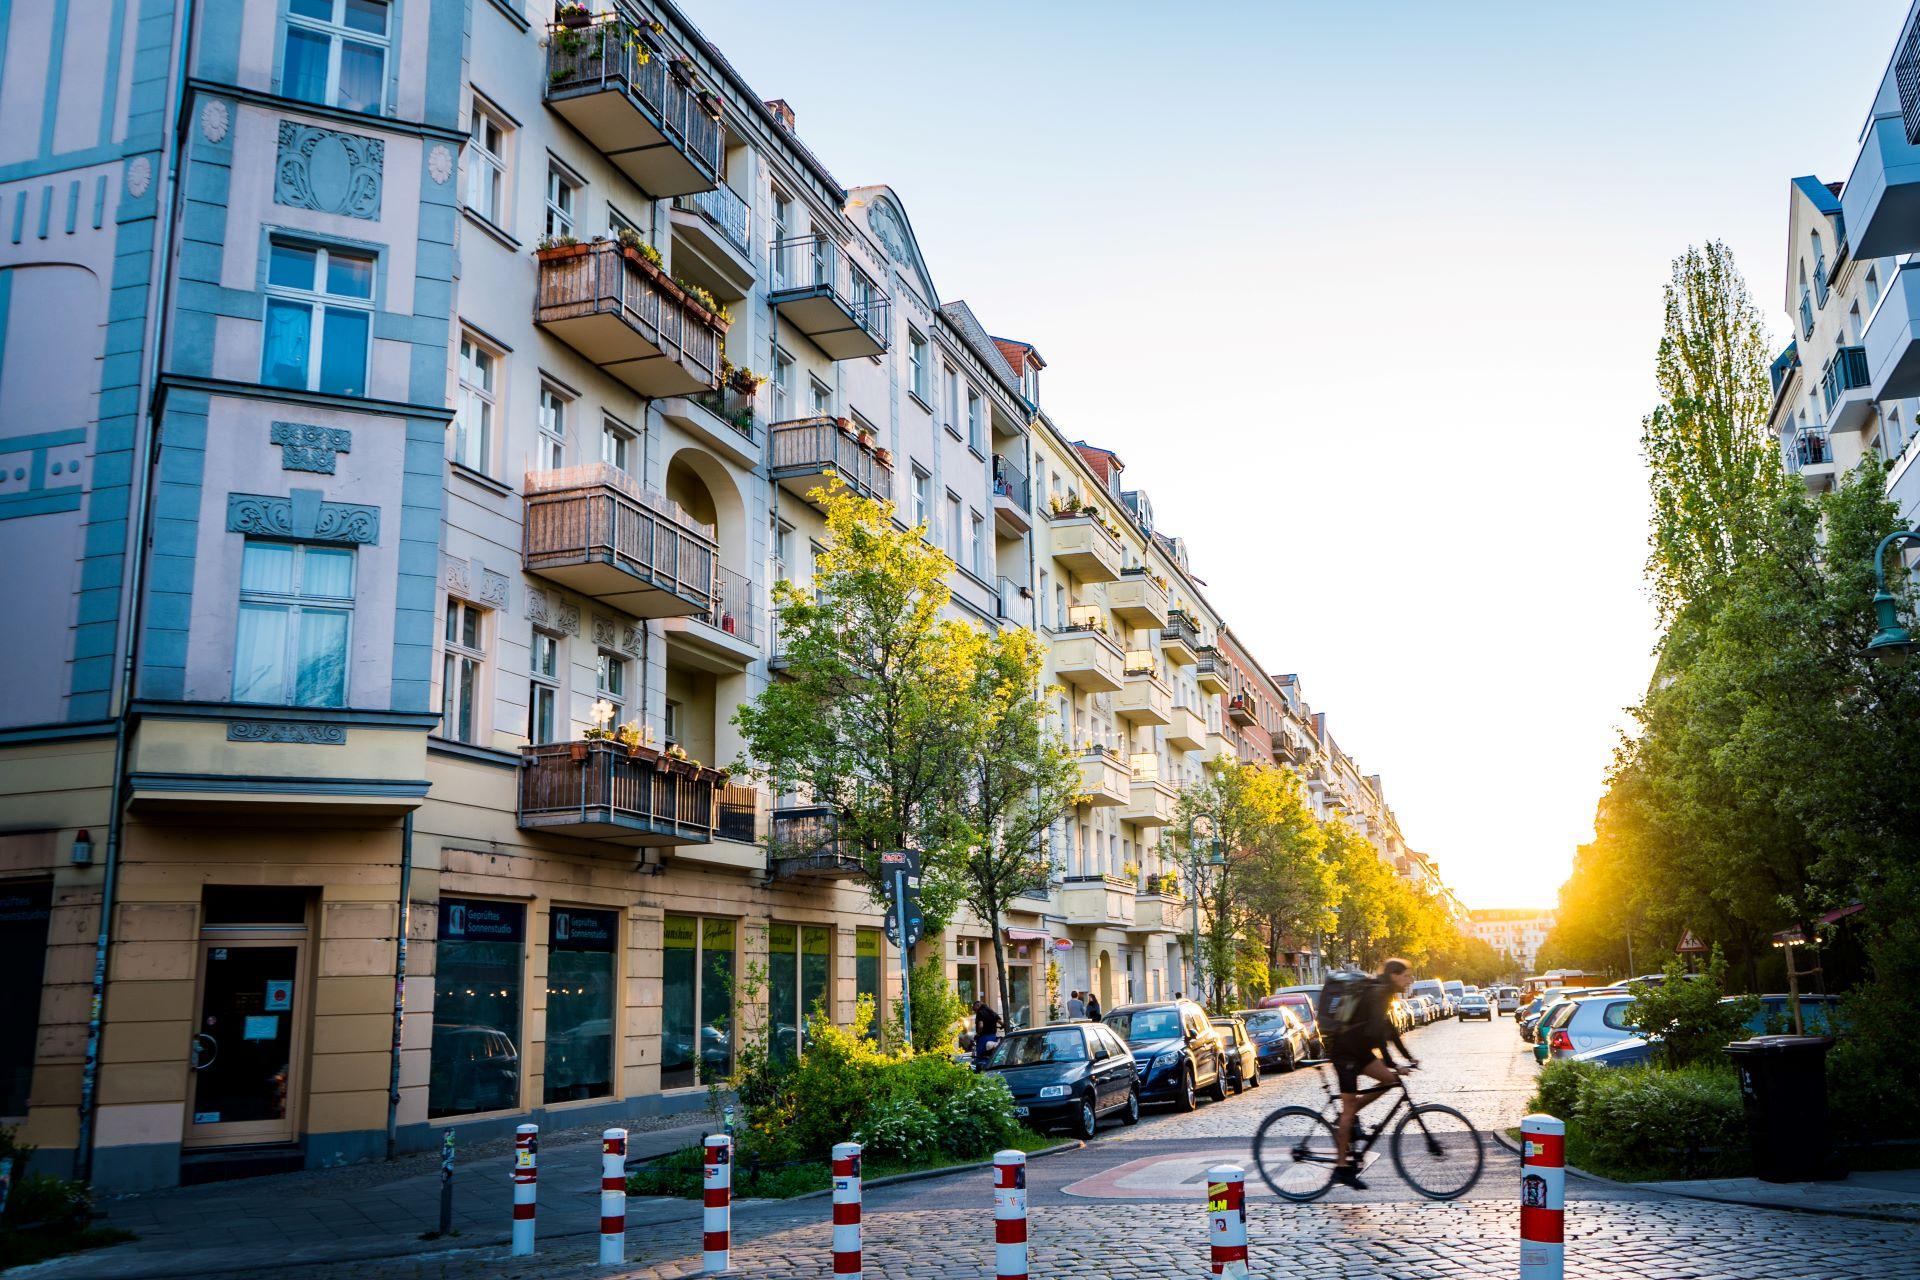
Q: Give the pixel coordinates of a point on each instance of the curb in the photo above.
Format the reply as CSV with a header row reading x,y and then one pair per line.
x,y
1661,1189
922,1175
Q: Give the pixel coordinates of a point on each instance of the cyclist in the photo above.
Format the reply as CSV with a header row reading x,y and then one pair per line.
x,y
1358,1049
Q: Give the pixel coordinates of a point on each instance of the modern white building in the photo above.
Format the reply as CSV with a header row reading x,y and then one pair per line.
x,y
1515,932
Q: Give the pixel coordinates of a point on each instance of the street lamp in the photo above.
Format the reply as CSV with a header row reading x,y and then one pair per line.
x,y
1200,829
1892,640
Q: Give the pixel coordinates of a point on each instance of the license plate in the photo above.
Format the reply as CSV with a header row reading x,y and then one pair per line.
x,y
1020,1113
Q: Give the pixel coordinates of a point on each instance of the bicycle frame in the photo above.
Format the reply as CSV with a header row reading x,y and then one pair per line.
x,y
1363,1138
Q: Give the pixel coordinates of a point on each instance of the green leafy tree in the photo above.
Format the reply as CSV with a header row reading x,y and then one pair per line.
x,y
1290,885
1686,1016
1365,886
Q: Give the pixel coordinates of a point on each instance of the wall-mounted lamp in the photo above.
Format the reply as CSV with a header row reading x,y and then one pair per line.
x,y
83,849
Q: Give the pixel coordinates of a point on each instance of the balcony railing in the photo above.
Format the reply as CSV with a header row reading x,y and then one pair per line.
x,y
1845,371
592,529
829,297
665,138
735,412
1011,483
806,841
809,447
1180,638
725,211
623,314
1240,709
602,791
739,814
1809,448
1013,602
736,603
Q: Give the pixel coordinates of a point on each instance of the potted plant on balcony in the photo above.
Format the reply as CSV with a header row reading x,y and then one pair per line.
x,y
710,103
638,250
883,456
571,13
600,730
554,248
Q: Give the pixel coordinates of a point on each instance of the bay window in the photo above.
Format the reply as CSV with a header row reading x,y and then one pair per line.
x,y
296,610
335,53
319,319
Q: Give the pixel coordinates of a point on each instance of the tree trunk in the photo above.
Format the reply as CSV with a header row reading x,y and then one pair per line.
x,y
1000,963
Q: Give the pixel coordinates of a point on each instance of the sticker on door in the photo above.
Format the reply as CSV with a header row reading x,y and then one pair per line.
x,y
279,994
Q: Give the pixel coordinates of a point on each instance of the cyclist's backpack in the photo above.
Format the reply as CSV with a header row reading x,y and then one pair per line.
x,y
1342,1004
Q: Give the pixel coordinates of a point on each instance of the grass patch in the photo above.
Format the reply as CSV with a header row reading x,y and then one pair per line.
x,y
679,1173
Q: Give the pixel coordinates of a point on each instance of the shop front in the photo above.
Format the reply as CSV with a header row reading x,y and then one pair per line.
x,y
478,995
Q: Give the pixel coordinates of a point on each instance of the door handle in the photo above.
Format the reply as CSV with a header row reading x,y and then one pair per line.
x,y
204,1043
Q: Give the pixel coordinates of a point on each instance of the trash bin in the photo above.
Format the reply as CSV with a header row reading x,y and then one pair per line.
x,y
1783,1081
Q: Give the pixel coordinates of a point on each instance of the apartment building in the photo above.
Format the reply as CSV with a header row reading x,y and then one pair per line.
x,y
1513,931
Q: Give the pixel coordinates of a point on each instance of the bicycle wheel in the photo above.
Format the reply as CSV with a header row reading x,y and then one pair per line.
x,y
1293,1149
1438,1151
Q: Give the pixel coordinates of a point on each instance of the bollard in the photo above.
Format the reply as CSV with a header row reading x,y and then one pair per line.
x,y
846,1210
1010,1215
1543,1190
526,1174
613,1197
718,1214
446,1185
1227,1219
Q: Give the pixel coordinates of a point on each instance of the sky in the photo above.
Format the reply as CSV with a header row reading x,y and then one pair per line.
x,y
1366,297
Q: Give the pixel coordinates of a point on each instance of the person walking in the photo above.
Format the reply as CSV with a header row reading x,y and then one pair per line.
x,y
1093,1007
1076,1007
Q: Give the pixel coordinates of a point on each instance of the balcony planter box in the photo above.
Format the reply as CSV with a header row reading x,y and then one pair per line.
x,y
578,750
561,252
573,17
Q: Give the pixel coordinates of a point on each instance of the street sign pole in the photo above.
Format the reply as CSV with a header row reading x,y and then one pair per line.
x,y
900,918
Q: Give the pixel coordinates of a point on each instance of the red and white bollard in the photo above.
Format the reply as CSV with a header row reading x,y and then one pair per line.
x,y
1543,1195
613,1197
846,1210
1010,1215
1227,1219
718,1214
526,1175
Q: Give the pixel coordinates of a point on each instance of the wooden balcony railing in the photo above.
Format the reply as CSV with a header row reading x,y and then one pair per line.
x,y
627,316
582,522
601,790
813,446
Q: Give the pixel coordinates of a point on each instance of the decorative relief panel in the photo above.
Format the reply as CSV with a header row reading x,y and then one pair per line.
x,y
493,589
440,163
566,618
214,118
328,171
603,633
455,574
295,731
139,176
630,637
304,447
302,515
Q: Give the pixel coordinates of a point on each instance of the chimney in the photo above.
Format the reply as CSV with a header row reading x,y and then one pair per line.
x,y
781,112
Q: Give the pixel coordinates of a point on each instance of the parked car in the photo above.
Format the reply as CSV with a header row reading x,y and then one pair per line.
x,y
1302,1002
1454,989
1174,1050
1529,1015
1425,987
1819,1016
1433,1008
1401,1014
476,1069
1475,1005
1280,1040
1237,1053
1068,1076
1593,1022
1508,1000
1631,1052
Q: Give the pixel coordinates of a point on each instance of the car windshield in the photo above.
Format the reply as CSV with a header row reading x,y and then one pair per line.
x,y
1041,1047
1147,1024
1266,1020
1474,1000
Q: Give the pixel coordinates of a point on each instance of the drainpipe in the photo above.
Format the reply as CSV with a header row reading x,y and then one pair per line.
x,y
135,611
400,982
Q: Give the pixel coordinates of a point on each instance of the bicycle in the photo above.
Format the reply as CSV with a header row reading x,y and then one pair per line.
x,y
1436,1149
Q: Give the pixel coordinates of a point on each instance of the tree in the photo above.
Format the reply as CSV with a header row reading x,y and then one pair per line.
x,y
1289,884
1711,465
873,719
1365,886
1019,779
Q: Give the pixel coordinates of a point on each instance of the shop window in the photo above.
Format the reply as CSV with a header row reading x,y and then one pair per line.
x,y
799,960
581,982
25,910
475,1064
867,958
696,1034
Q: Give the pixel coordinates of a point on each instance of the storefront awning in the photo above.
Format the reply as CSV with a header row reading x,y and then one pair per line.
x,y
1027,935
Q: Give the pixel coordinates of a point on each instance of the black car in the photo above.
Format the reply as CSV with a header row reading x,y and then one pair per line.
x,y
1070,1075
1280,1039
1237,1053
1174,1049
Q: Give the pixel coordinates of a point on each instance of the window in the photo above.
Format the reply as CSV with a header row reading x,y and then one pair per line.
x,y
922,514
696,1000
782,386
487,165
473,412
336,53
1872,289
296,604
26,911
782,228
616,446
477,966
976,544
550,451
799,960
976,432
610,683
543,694
319,319
563,195
822,398
917,371
953,524
866,973
950,398
671,720
462,670
782,546
581,986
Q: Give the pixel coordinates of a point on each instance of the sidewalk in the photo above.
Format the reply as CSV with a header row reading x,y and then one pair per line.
x,y
370,1210
1889,1194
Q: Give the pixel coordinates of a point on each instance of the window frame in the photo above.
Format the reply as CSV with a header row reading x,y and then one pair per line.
x,y
608,663
543,686
319,301
550,423
917,370
469,393
617,437
297,603
490,160
923,500
338,34
563,200
976,438
467,661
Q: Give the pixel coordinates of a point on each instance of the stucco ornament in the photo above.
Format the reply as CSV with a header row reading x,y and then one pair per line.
x,y
139,176
328,171
493,588
892,231
440,163
305,447
294,731
302,514
214,119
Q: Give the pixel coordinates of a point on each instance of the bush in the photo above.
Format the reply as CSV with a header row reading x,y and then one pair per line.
x,y
1560,1084
937,1010
46,1215
1648,1123
1686,1016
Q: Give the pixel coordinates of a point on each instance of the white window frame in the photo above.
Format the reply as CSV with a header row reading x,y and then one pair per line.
x,y
318,302
954,513
610,682
922,499
977,543
469,443
917,372
975,436
544,665
617,437
459,661
296,603
337,33
487,165
822,396
783,367
551,446
563,201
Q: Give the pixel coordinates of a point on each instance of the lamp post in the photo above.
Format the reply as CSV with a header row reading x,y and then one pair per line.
x,y
1200,829
1892,640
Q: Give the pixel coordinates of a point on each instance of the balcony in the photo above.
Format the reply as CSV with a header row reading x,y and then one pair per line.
x,y
1087,659
806,845
625,315
725,638
610,83
1104,777
717,225
1291,745
722,420
823,293
1241,711
593,530
1137,599
1893,339
803,451
1844,390
1098,901
1220,746
1144,698
1012,497
1809,455
1212,671
1082,545
602,791
1186,730
1159,913
1881,201
1012,602
1180,640
1150,802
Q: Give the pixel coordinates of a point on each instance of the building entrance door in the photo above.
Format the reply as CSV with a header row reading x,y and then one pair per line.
x,y
248,1041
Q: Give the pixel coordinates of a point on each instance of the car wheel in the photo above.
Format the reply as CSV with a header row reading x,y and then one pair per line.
x,y
1217,1091
1188,1099
1086,1124
1253,1082
1130,1114
1238,1082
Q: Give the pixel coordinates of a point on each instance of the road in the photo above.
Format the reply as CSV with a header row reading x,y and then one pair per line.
x,y
1131,1204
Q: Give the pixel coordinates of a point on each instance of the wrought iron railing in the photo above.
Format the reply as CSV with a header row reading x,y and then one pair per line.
x,y
739,814
1011,483
808,446
738,416
604,280
596,513
1845,371
1810,448
1181,627
612,53
607,779
817,264
806,838
736,603
1806,315
725,211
